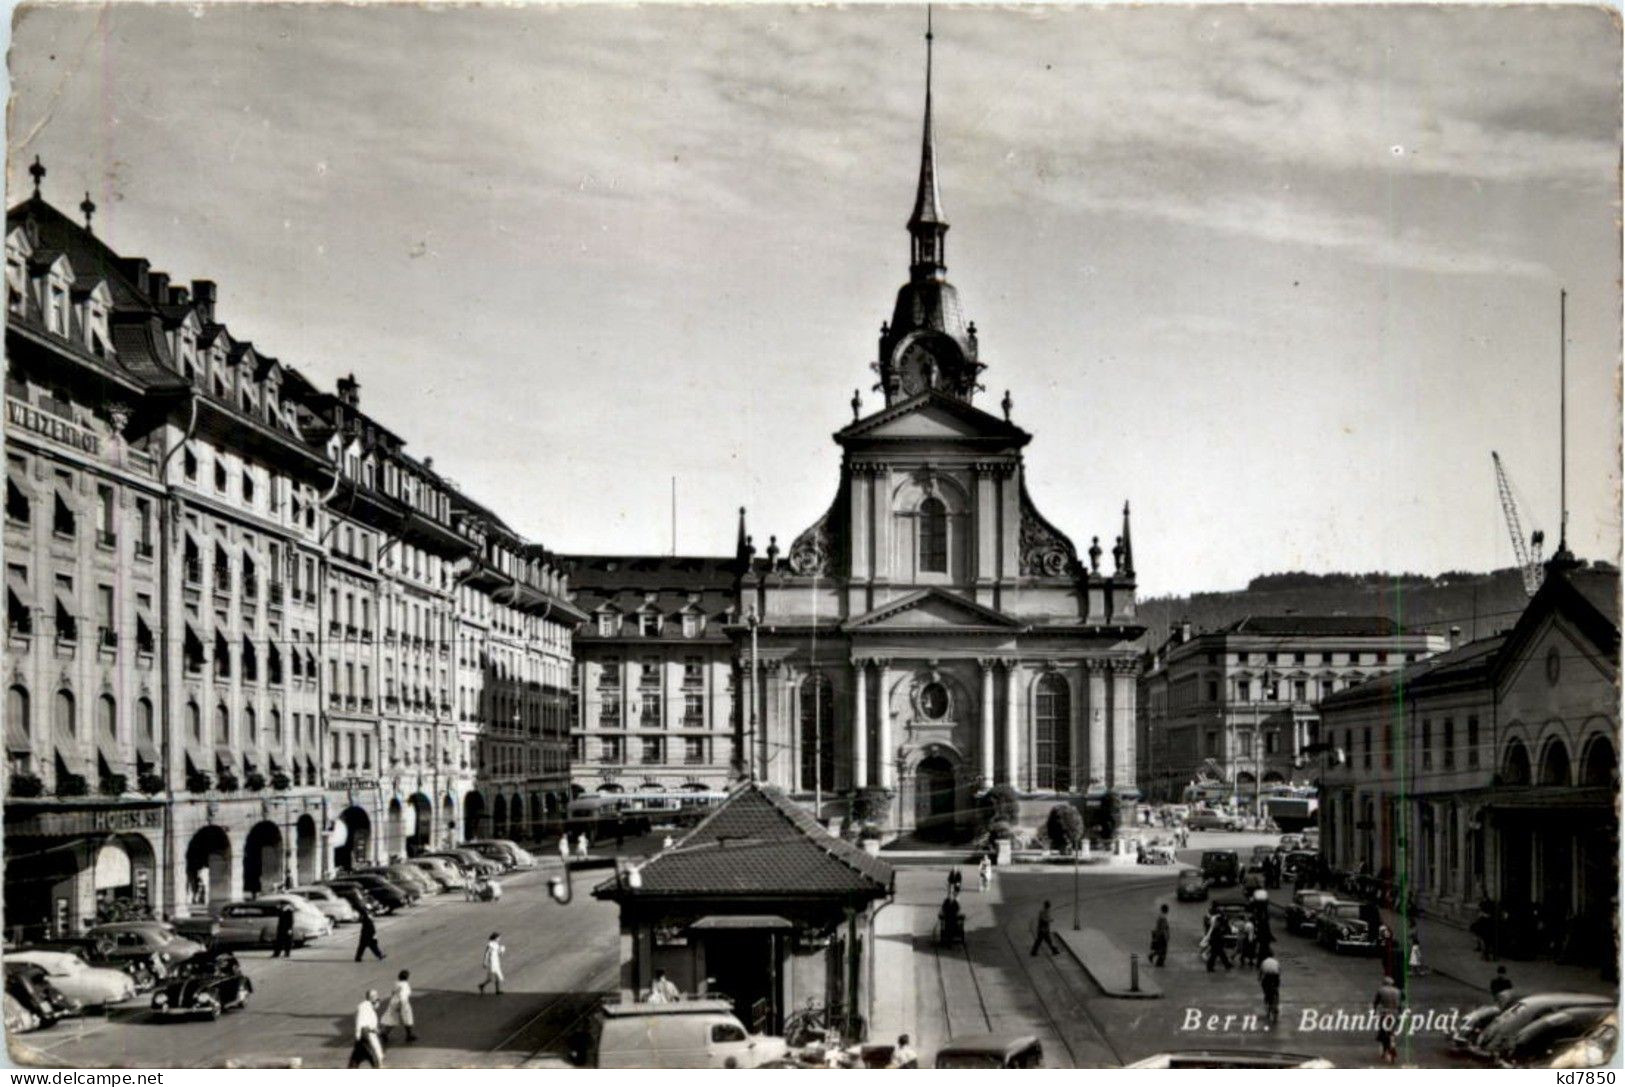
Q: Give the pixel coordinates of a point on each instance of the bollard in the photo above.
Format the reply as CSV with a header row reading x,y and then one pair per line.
x,y
1134,972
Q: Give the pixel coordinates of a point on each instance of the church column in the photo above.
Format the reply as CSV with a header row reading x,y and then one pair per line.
x,y
1098,772
987,721
1012,723
1078,726
1122,713
883,745
860,725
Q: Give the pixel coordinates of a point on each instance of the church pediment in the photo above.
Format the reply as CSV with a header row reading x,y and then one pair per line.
x,y
930,609
933,416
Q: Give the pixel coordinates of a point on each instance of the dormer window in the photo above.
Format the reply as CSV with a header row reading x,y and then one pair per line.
x,y
649,624
56,309
17,253
609,624
693,623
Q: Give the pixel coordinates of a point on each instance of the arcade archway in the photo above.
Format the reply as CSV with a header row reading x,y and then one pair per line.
x,y
262,859
307,851
355,845
208,867
476,823
421,818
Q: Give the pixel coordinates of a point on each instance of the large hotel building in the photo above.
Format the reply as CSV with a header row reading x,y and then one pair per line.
x,y
249,639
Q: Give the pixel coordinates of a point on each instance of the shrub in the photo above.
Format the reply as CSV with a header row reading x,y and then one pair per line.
x,y
197,781
1003,804
871,804
999,828
114,785
226,782
1064,827
150,783
72,785
280,780
868,832
24,786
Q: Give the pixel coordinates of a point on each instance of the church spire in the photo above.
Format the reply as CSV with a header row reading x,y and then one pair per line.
x,y
926,226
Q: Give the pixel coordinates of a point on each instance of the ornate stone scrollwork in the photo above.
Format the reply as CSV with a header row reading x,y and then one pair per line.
x,y
1044,552
811,552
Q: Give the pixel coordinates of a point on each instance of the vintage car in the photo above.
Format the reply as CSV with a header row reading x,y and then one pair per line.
x,y
1297,861
143,969
405,877
1338,926
388,895
1289,843
356,895
1221,867
19,1020
253,924
1501,1029
1593,1050
304,911
507,852
135,938
450,876
468,862
1262,851
1209,819
28,984
991,1051
1192,887
88,986
1537,1043
205,985
1300,916
332,904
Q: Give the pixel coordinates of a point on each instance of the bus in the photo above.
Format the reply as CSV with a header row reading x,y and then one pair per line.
x,y
599,814
1293,808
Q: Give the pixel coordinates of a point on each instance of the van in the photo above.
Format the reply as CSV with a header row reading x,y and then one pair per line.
x,y
686,1034
1221,867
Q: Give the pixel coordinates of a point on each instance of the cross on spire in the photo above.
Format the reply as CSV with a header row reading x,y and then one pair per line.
x,y
88,206
37,171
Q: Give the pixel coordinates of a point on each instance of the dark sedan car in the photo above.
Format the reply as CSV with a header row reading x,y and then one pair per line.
x,y
29,986
1192,887
1339,927
1536,1044
357,896
204,985
1306,905
389,896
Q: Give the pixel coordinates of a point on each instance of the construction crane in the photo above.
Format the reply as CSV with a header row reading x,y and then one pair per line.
x,y
1528,554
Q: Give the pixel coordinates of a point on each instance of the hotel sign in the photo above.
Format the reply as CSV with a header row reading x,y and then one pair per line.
x,y
62,824
23,415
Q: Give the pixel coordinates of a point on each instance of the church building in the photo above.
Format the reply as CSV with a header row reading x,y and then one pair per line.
x,y
932,635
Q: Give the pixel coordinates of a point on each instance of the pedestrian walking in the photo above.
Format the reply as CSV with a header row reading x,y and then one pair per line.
x,y
564,846
581,845
493,964
367,939
1159,938
1386,1005
984,873
398,1012
1414,960
956,880
367,1046
1218,932
1044,936
667,842
1244,944
1269,981
1501,987
283,944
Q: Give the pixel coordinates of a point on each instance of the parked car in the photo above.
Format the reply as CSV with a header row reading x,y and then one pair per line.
x,y
334,905
991,1051
151,938
1221,867
206,985
1593,1050
480,862
467,861
142,969
1338,927
356,896
1293,863
1300,915
508,852
1536,1044
685,1034
1520,1013
253,924
1289,843
403,876
1208,819
200,929
304,910
450,876
19,1020
1192,886
387,895
28,984
89,986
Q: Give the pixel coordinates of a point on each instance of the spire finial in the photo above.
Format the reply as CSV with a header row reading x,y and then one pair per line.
x,y
926,224
37,172
1007,404
1126,563
857,405
88,206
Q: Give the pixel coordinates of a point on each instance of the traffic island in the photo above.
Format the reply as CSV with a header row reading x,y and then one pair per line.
x,y
1118,973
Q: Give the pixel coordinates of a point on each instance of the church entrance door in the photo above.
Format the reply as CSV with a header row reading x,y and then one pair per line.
x,y
934,797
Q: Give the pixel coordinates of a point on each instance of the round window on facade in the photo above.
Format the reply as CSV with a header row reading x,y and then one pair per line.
x,y
934,701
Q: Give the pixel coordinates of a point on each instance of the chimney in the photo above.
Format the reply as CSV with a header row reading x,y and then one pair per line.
x,y
428,464
350,391
203,291
1455,637
158,284
136,269
1184,631
178,296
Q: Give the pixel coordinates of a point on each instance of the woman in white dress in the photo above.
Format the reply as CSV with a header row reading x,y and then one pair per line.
x,y
399,1011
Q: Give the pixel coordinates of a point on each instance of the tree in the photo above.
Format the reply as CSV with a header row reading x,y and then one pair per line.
x,y
1064,827
1003,805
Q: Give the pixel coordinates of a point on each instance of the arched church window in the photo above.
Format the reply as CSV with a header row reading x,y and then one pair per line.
x,y
1053,716
933,536
818,733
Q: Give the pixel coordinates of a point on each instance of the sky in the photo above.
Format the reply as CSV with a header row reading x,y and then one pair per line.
x,y
1282,277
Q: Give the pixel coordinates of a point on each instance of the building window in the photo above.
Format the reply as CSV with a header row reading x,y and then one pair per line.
x,y
649,624
691,625
1212,690
609,748
933,536
817,733
64,523
693,750
1272,742
1365,743
194,722
220,475
67,718
1300,690
649,715
654,750
1210,743
222,725
144,721
1244,690
1472,741
609,624
1427,743
1052,717
105,504
67,624
693,711
609,711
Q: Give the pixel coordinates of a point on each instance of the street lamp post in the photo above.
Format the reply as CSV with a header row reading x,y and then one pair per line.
x,y
1076,849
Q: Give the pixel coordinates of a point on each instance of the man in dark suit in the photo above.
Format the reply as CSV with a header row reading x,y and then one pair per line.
x,y
368,937
284,933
